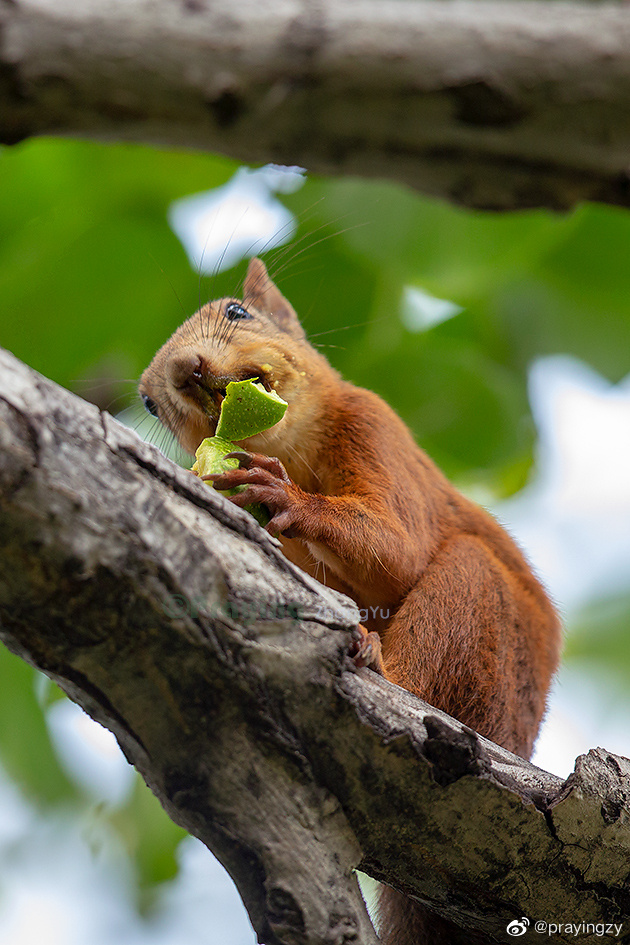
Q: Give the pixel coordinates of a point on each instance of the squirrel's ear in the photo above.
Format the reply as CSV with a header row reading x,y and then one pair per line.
x,y
263,294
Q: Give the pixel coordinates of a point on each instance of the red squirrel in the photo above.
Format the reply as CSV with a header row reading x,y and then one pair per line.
x,y
454,612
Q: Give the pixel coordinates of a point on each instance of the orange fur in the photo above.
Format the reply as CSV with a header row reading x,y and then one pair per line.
x,y
464,622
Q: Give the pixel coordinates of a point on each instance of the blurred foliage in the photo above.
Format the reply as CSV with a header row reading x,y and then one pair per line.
x,y
93,281
600,638
150,838
25,748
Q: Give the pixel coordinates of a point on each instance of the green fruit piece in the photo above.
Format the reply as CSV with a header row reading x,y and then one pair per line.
x,y
211,458
248,409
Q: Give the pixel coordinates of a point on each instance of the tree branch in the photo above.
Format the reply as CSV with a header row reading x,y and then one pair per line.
x,y
490,104
176,622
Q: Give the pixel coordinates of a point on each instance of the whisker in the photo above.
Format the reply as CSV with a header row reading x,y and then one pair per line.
x,y
181,305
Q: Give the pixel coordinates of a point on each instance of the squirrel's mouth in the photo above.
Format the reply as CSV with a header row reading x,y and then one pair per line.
x,y
211,390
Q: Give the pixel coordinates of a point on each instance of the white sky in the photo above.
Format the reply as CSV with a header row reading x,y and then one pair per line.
x,y
220,227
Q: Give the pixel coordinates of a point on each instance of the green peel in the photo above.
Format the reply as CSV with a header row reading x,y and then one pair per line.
x,y
246,410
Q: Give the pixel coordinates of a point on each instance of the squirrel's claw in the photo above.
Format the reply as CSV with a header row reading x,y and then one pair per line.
x,y
248,460
365,649
245,459
267,483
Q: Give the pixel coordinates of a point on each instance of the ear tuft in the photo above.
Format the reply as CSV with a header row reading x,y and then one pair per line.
x,y
256,280
263,294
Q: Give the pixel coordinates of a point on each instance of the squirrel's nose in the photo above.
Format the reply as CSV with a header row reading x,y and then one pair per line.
x,y
184,370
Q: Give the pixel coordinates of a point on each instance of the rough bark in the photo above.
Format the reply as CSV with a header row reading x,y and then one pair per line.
x,y
220,667
490,104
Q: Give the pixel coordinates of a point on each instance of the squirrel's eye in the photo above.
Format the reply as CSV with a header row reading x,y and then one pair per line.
x,y
149,405
233,311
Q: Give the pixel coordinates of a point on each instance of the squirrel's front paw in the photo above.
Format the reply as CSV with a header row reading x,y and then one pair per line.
x,y
365,649
267,483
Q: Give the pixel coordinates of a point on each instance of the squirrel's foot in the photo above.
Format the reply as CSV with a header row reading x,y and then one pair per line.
x,y
365,649
268,484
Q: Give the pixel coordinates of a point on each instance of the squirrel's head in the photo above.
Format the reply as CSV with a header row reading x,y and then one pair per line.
x,y
258,336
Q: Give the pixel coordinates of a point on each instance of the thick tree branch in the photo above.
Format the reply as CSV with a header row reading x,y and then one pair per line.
x,y
491,104
177,623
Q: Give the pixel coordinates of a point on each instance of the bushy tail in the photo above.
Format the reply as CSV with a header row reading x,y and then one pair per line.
x,y
400,921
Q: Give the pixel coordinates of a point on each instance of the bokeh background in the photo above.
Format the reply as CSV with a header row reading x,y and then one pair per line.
x,y
502,340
